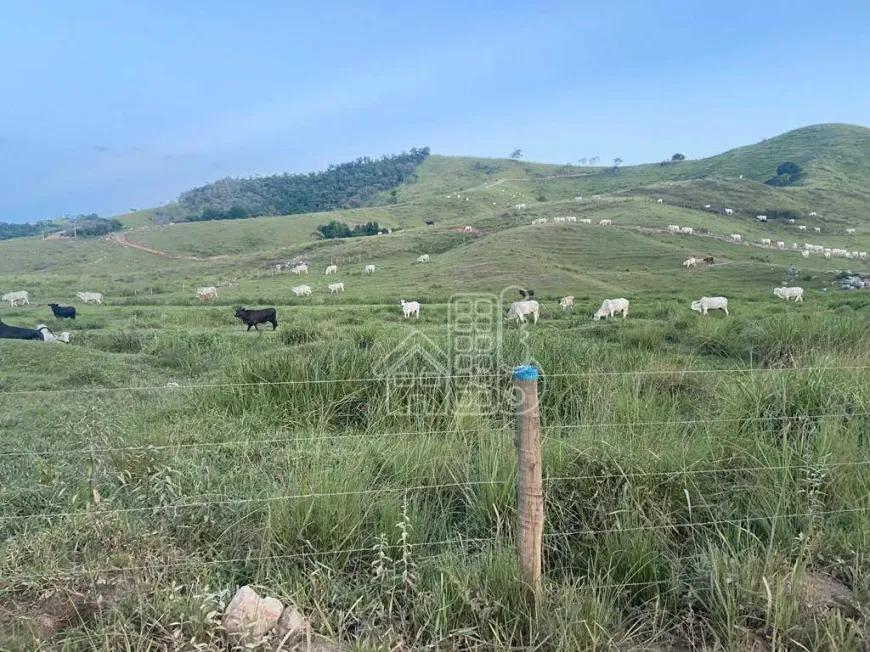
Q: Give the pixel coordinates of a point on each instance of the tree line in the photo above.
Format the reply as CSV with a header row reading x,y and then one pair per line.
x,y
336,229
88,225
346,185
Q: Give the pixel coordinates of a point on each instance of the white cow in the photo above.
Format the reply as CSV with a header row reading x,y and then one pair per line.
x,y
48,336
585,220
673,228
690,262
761,218
468,229
87,297
331,269
805,253
206,293
687,230
520,207
605,223
566,302
301,268
817,229
765,242
578,198
736,237
796,293
336,288
729,211
302,290
540,220
710,303
706,205
827,254
423,259
802,227
850,231
410,308
369,269
612,307
791,221
571,218
780,244
862,254
658,201
856,254
813,214
558,219
519,310
15,298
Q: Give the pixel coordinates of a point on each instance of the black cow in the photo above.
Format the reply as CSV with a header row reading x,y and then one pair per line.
x,y
430,222
63,312
709,260
17,333
254,317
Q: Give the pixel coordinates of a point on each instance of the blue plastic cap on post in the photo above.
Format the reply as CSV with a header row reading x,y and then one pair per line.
x,y
526,372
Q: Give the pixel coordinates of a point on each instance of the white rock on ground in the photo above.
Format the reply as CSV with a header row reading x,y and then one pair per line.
x,y
291,627
249,617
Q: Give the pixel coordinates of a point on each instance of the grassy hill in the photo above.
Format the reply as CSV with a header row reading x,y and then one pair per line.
x,y
705,476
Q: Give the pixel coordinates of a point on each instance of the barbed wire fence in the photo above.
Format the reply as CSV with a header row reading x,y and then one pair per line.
x,y
530,554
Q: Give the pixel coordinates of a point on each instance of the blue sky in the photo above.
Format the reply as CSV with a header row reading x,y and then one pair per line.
x,y
110,105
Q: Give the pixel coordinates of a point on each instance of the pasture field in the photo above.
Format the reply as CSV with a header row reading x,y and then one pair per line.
x,y
706,478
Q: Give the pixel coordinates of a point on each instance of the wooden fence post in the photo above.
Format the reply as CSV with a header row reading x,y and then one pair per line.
x,y
530,490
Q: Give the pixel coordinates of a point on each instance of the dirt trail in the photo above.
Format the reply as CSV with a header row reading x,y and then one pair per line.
x,y
121,239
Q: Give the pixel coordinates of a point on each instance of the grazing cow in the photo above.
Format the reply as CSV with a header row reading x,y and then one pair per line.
x,y
571,218
566,302
301,268
62,312
765,242
558,219
519,310
254,317
14,298
206,293
331,269
369,269
612,307
802,227
709,260
736,237
687,230
690,262
48,336
520,207
578,198
302,290
468,229
336,288
780,244
410,308
805,253
817,229
710,303
605,223
813,214
673,228
17,333
585,220
658,201
796,293
729,211
423,259
761,218
88,297
430,222
706,205
850,231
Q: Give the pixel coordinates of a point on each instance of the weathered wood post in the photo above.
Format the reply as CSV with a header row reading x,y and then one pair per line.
x,y
530,489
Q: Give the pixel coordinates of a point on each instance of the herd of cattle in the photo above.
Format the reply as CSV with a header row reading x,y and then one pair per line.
x,y
42,332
